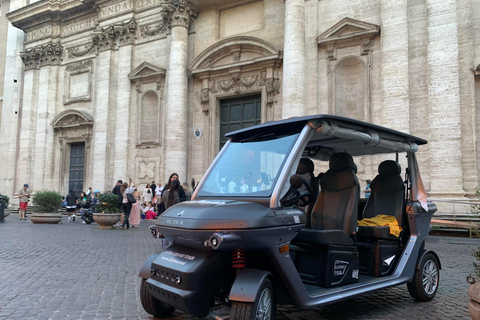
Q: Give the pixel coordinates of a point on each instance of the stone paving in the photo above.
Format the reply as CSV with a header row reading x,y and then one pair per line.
x,y
76,271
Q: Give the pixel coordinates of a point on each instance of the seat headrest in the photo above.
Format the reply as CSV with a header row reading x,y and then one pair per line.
x,y
389,168
341,161
305,165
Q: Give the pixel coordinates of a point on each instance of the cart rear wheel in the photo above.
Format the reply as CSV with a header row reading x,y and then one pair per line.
x,y
152,305
263,308
425,282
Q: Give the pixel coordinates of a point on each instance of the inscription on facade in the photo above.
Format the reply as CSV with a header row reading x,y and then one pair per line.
x,y
78,26
127,6
116,8
42,33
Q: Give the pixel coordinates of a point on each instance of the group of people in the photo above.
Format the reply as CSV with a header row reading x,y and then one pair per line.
x,y
86,201
156,199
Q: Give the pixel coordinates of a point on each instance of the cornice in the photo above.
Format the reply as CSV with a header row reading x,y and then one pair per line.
x,y
45,11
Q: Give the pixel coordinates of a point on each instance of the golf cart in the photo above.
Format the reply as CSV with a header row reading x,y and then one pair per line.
x,y
263,228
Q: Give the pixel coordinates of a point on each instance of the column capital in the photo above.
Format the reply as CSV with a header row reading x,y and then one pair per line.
x,y
178,13
48,54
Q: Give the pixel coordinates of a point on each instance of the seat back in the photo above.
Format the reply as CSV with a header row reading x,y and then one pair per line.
x,y
388,192
305,169
337,204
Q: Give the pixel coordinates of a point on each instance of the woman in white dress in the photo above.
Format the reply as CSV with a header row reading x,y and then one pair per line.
x,y
147,194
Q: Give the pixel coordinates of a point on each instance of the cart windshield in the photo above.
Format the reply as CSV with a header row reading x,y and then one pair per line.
x,y
248,168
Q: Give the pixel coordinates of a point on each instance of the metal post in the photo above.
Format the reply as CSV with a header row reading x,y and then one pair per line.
x,y
2,207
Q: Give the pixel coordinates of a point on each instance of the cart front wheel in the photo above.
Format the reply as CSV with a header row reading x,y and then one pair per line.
x,y
152,305
263,308
425,282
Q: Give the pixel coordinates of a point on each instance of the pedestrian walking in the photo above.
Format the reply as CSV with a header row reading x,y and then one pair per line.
x,y
23,196
147,194
71,205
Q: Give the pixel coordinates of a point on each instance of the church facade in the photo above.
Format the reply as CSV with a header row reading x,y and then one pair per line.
x,y
101,90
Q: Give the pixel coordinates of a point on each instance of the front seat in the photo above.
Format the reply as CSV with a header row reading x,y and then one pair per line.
x,y
305,170
386,198
334,217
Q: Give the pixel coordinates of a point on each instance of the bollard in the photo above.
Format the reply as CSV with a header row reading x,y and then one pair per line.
x,y
2,209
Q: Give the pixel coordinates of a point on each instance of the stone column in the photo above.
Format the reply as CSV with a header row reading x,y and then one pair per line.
x,y
444,100
101,114
293,99
11,110
179,17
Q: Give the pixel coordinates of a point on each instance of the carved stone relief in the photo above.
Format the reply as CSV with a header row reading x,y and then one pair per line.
x,y
146,169
178,13
48,54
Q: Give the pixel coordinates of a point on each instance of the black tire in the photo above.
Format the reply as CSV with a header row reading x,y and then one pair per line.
x,y
265,299
429,272
152,305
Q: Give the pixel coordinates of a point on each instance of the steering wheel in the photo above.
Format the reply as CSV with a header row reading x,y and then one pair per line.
x,y
305,197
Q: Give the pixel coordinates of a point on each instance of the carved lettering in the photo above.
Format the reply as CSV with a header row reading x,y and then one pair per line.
x,y
116,8
74,27
39,33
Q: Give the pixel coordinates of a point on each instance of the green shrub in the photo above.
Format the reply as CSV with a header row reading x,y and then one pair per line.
x,y
107,203
46,201
6,200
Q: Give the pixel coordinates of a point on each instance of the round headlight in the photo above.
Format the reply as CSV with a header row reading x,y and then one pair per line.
x,y
214,241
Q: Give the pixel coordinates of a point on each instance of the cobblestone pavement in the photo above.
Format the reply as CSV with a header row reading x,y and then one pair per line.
x,y
76,271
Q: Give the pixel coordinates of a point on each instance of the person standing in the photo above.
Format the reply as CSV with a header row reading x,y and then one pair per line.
x,y
181,191
135,214
367,189
153,186
23,196
71,205
147,194
172,195
127,205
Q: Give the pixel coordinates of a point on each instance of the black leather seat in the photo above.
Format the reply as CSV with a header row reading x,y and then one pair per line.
x,y
334,217
386,198
305,169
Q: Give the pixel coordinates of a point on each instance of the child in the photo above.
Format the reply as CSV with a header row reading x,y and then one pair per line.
x,y
143,210
150,214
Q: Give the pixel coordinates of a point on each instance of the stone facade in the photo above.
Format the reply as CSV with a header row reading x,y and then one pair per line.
x,y
132,79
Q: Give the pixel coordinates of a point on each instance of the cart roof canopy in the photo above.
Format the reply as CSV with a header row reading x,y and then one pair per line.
x,y
335,134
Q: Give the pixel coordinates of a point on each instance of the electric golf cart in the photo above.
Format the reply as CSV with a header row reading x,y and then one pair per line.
x,y
279,218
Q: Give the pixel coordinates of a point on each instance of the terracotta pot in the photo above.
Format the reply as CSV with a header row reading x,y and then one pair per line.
x,y
474,303
106,220
51,218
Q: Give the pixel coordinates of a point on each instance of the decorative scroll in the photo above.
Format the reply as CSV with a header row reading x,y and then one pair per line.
x,y
79,51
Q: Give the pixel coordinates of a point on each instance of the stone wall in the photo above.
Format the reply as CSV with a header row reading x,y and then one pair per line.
x,y
403,64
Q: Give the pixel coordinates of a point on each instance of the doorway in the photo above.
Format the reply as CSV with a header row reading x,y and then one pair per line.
x,y
239,113
77,167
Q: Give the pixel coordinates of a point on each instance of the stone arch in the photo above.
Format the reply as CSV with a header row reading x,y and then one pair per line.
x,y
240,65
72,118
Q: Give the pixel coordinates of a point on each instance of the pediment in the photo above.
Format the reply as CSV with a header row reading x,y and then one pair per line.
x,y
72,118
348,29
146,70
234,52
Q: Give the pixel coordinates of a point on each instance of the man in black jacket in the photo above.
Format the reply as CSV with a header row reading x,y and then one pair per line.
x,y
116,190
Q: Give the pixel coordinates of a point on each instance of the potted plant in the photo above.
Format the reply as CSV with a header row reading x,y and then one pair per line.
x,y
46,205
107,210
6,199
